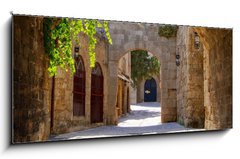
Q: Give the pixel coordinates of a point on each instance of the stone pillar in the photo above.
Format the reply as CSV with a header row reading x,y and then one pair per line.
x,y
195,102
112,93
168,84
190,80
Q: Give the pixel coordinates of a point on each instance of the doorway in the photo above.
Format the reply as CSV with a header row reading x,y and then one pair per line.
x,y
97,94
150,90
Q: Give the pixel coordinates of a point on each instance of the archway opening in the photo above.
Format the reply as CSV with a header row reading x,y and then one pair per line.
x,y
97,94
138,71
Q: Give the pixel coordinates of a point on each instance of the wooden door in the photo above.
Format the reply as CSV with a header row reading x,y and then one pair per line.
x,y
97,94
79,88
150,90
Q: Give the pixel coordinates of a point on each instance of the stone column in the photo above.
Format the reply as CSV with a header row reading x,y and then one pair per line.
x,y
168,84
112,93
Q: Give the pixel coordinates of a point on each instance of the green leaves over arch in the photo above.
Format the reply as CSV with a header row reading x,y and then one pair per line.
x,y
61,33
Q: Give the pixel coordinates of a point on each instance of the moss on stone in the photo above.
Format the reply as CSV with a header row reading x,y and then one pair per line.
x,y
168,31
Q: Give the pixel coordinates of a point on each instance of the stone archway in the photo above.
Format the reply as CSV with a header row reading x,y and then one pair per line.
x,y
141,36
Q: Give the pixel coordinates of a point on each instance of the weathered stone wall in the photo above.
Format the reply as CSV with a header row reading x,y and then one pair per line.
x,y
31,82
204,77
133,95
124,75
195,112
182,74
217,77
190,79
131,36
64,121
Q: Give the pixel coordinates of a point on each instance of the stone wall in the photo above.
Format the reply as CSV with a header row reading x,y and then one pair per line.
x,y
190,79
204,77
182,74
124,79
31,82
217,45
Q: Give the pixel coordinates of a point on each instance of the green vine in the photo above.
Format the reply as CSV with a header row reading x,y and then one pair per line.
x,y
143,66
59,36
168,31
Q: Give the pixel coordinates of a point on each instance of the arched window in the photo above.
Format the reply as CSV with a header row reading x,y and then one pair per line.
x,y
79,88
97,94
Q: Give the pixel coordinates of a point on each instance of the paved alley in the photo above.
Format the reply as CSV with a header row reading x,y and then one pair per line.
x,y
143,119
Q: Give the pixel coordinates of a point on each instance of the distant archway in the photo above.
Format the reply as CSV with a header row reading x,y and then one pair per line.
x,y
150,90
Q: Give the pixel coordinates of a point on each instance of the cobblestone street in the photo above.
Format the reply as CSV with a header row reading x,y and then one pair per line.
x,y
143,119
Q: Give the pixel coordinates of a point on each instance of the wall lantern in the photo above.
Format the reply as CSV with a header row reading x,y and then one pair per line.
x,y
178,58
196,41
76,51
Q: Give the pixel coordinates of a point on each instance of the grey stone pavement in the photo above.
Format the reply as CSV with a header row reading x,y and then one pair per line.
x,y
144,119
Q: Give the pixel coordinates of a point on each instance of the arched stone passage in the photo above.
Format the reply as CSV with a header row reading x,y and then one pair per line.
x,y
139,36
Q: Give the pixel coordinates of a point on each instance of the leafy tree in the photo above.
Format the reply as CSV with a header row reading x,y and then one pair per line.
x,y
143,66
61,33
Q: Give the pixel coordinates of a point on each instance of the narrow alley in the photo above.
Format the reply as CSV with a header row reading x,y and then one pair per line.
x,y
144,119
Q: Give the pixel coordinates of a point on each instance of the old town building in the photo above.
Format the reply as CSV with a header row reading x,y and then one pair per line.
x,y
124,82
197,92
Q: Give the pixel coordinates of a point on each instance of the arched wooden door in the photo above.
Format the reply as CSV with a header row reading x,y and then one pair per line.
x,y
97,94
79,88
150,90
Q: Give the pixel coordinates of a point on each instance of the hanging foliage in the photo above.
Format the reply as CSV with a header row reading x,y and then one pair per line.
x,y
61,33
143,66
168,31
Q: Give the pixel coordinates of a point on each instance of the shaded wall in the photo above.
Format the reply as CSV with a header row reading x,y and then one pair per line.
x,y
31,82
204,78
217,77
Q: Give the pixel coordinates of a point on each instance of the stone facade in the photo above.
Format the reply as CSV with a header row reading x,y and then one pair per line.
x,y
204,96
190,79
64,120
31,82
217,67
123,90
